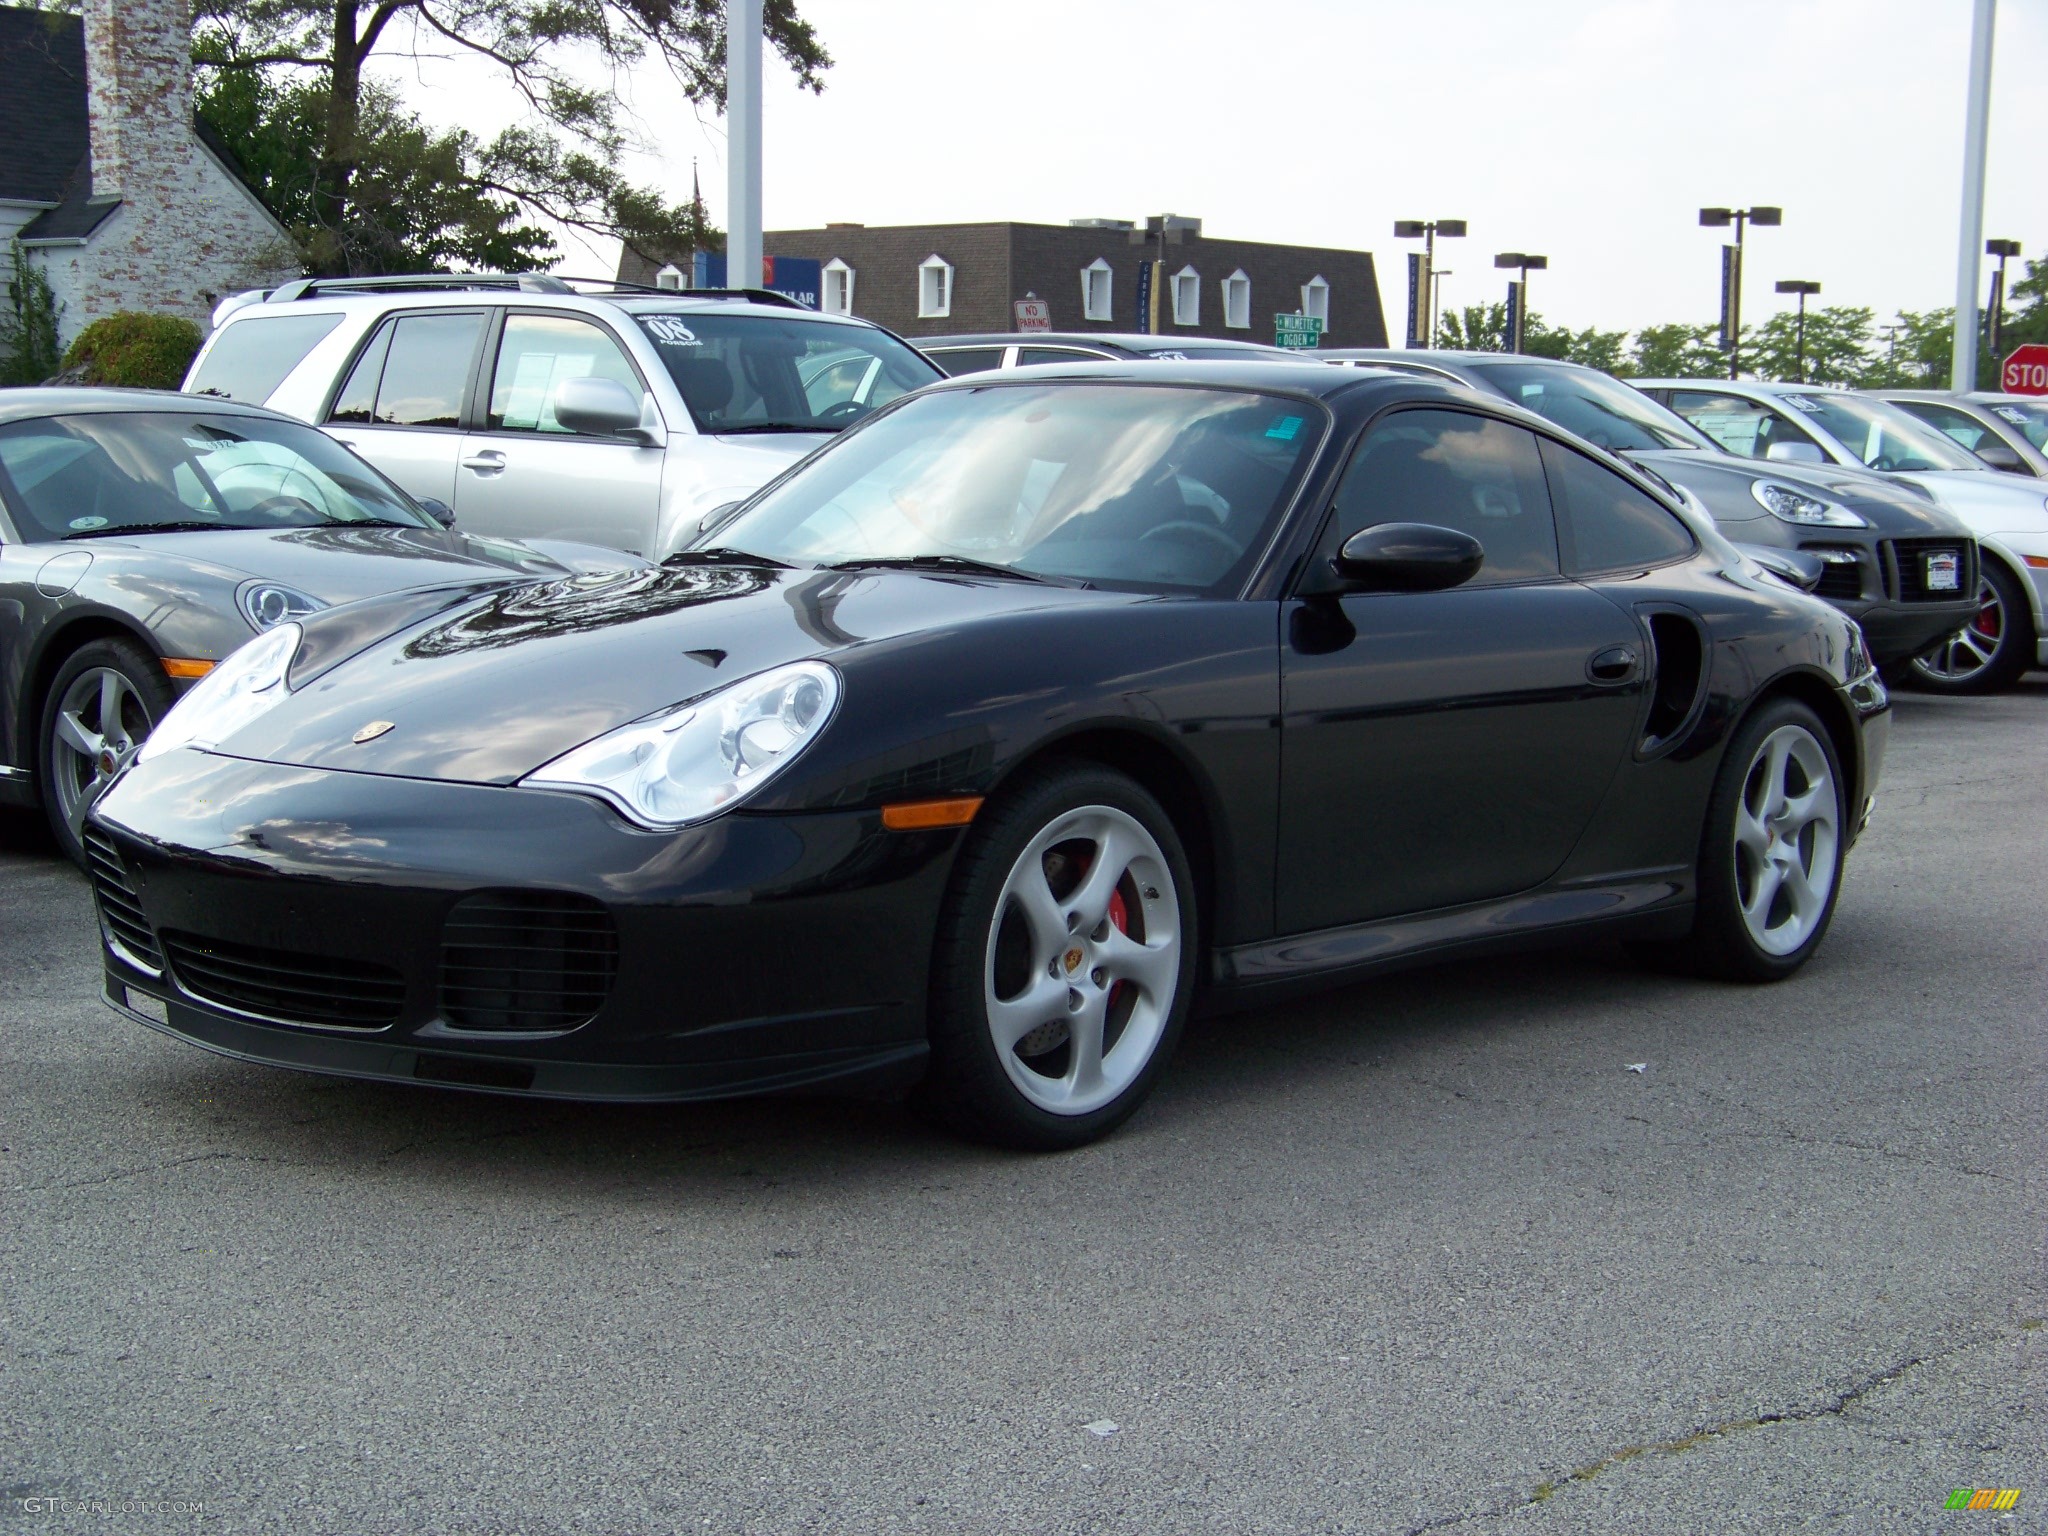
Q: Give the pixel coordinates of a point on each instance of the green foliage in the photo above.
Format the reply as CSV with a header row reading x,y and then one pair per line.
x,y
1677,352
133,350
28,325
1475,328
1914,351
1483,328
1838,341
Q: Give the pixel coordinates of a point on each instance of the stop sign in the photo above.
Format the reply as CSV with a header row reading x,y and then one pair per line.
x,y
2025,372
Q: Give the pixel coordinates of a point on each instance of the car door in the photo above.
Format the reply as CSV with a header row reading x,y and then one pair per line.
x,y
400,405
1445,747
522,474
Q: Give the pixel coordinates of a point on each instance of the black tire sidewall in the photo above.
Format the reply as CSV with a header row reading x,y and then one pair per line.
x,y
967,1084
144,673
2015,652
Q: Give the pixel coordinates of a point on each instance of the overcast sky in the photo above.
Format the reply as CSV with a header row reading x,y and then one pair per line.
x,y
1589,130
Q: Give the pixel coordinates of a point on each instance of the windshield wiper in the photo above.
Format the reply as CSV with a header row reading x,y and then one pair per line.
x,y
960,564
720,554
192,525
775,426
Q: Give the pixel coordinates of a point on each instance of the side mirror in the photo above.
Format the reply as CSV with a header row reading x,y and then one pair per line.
x,y
438,510
600,407
1997,454
1407,557
1795,453
1801,569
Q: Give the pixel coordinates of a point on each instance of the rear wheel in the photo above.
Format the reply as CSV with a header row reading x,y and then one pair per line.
x,y
1992,650
106,698
1065,962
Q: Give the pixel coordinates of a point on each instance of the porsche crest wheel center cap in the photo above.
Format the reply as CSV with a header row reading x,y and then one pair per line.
x,y
108,763
371,731
1071,960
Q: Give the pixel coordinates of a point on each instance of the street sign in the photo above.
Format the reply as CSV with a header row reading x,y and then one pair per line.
x,y
2025,371
1304,331
1033,314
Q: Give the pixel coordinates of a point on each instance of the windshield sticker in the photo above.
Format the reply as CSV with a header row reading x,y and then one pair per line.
x,y
2012,414
1801,403
1285,428
86,524
1170,357
670,331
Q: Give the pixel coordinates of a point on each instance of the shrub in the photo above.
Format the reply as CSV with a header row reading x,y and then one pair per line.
x,y
132,350
28,324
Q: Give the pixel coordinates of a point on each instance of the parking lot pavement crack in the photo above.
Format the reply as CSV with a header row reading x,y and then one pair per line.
x,y
1780,1133
116,1175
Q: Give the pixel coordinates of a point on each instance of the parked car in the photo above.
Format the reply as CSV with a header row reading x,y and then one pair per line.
x,y
975,748
144,536
1020,349
2008,432
603,412
1872,537
2007,512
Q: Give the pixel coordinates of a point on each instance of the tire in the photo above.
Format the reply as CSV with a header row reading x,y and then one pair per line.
x,y
102,682
1990,652
1058,995
1770,867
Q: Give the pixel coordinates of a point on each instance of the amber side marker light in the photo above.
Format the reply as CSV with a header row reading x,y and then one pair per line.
x,y
2038,562
920,815
177,667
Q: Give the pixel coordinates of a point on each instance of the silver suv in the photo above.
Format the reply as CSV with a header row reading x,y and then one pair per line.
x,y
537,406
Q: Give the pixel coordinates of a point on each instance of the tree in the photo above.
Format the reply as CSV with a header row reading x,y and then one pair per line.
x,y
28,324
1916,355
1837,346
367,159
1475,328
1677,352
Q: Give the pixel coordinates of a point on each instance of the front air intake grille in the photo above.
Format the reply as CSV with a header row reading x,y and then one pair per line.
x,y
285,986
527,961
120,912
1841,573
1910,560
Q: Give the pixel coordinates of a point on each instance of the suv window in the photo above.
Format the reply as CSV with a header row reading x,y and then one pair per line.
x,y
250,358
1741,426
413,373
758,373
1026,356
535,354
1471,473
1608,524
959,360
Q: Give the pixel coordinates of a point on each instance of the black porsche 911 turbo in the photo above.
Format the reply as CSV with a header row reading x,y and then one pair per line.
x,y
982,745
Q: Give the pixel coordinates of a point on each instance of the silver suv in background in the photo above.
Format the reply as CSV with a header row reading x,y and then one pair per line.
x,y
541,407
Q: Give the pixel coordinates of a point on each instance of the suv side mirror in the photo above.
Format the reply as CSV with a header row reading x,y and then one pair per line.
x,y
601,407
1997,454
1407,557
1795,453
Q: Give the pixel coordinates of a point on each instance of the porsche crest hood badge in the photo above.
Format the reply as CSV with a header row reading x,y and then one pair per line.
x,y
371,731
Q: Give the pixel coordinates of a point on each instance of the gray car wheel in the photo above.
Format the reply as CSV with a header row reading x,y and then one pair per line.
x,y
104,702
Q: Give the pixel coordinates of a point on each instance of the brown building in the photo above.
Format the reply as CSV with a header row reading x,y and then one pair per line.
x,y
944,279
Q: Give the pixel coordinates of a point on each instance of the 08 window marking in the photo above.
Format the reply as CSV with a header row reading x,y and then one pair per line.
x,y
670,331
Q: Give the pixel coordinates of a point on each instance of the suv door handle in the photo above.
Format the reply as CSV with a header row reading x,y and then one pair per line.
x,y
487,462
1616,664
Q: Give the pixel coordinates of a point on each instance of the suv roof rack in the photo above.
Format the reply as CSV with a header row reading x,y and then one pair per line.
x,y
517,282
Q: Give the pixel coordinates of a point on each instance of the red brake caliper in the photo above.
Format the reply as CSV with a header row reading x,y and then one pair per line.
x,y
1120,916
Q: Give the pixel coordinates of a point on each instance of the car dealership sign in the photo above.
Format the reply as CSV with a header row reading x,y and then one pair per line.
x,y
2025,371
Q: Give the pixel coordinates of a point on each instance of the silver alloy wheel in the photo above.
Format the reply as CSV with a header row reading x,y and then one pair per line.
x,y
1967,652
101,723
1083,960
1785,838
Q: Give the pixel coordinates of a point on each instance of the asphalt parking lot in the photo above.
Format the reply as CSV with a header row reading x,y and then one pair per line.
x,y
1421,1255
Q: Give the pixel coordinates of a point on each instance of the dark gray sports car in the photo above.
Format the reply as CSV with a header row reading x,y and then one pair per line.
x,y
144,536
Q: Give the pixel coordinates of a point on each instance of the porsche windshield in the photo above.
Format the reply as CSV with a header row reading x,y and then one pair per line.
x,y
1127,485
94,476
1604,412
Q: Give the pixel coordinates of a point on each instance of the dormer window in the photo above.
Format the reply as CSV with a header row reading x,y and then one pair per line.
x,y
1315,299
934,288
1237,301
670,277
838,295
1095,291
1187,297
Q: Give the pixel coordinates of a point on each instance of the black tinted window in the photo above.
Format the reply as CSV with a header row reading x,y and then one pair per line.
x,y
958,360
1026,356
250,357
358,396
1610,525
1476,475
427,370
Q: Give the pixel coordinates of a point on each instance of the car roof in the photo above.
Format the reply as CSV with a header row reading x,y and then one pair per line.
x,y
1254,376
524,291
1958,396
1123,341
1765,387
1442,357
33,404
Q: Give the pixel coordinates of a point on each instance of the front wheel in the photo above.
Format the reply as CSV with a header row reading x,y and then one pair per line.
x,y
106,698
1065,961
1771,858
1992,650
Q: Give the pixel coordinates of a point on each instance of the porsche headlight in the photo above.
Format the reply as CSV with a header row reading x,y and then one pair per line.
x,y
1791,506
229,697
701,758
267,604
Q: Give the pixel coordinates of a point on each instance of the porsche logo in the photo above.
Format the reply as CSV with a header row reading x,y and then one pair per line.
x,y
371,731
1071,960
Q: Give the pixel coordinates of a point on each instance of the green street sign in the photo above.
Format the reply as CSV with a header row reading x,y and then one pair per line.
x,y
1297,330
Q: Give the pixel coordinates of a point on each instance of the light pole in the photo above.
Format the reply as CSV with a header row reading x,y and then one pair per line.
x,y
1962,373
1422,272
1518,292
1731,272
743,144
1802,287
1994,319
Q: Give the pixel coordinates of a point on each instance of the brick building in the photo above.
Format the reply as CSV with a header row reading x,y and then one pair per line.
x,y
106,178
942,279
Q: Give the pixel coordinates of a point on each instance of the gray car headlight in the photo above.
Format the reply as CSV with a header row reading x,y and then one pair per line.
x,y
267,604
244,686
1791,506
699,759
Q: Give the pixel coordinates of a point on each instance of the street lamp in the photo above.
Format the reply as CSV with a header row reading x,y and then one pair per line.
x,y
1994,316
1518,292
1421,270
1731,272
1802,287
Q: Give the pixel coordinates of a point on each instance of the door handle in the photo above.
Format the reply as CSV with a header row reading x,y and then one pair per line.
x,y
1616,664
487,462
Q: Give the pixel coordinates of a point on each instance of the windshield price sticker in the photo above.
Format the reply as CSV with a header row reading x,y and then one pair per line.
x,y
1944,573
2011,413
82,524
1800,403
1285,428
670,331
